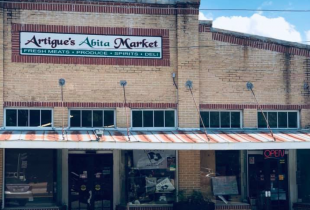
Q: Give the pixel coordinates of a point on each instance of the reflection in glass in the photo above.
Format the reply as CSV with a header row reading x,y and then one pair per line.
x,y
150,176
282,119
29,178
205,119
147,118
109,119
169,119
292,120
273,119
136,118
75,120
34,118
214,119
159,119
235,120
22,117
261,120
225,120
11,117
86,118
46,118
97,119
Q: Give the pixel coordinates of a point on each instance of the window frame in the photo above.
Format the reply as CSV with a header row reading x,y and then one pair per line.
x,y
277,111
88,128
220,123
27,127
154,128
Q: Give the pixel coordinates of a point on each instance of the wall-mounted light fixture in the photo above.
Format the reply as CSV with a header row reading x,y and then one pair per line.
x,y
189,84
249,85
62,82
123,83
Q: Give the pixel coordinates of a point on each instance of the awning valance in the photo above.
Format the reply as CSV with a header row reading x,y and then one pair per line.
x,y
176,140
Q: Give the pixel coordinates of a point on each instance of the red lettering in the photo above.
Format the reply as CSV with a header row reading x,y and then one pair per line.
x,y
274,153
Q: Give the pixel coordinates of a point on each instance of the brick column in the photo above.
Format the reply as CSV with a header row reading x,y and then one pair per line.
x,y
188,62
305,118
250,118
189,171
187,38
1,63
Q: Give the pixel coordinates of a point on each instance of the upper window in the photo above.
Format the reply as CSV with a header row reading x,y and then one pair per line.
x,y
92,118
221,119
278,119
153,118
28,118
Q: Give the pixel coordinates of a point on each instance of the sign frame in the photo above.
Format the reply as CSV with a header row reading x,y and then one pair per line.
x,y
161,57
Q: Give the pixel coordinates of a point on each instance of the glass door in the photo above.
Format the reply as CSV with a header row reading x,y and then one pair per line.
x,y
268,181
91,182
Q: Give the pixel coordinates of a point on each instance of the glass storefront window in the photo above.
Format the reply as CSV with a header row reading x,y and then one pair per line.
x,y
303,174
150,176
30,177
228,164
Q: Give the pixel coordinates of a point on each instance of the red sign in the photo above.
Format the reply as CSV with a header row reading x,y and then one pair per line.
x,y
274,153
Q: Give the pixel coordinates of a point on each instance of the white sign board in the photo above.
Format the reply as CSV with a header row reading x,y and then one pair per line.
x,y
85,45
152,159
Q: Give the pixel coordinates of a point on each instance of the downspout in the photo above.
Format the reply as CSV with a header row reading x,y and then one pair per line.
x,y
3,151
177,70
177,99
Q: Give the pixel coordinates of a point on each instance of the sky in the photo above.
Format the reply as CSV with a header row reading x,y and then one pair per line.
x,y
288,26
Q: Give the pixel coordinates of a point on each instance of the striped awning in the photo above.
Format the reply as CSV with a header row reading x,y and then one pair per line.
x,y
183,140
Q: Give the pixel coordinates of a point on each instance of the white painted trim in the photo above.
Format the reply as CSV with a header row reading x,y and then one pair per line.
x,y
151,146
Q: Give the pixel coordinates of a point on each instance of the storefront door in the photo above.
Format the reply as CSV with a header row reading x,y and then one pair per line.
x,y
91,181
268,180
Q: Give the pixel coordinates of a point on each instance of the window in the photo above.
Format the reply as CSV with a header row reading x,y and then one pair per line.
x,y
150,176
228,163
30,178
92,118
28,118
221,119
303,174
153,118
278,119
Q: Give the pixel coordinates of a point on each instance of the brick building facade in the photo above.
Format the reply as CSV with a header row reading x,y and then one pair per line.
x,y
219,63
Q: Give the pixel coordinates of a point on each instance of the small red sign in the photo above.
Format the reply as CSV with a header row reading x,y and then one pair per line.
x,y
274,153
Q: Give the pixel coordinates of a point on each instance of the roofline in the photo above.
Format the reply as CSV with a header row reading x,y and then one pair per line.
x,y
208,23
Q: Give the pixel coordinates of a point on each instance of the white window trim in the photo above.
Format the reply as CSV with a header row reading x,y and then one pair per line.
x,y
223,110
154,128
277,111
90,128
27,127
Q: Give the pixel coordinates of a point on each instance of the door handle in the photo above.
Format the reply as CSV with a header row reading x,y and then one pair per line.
x,y
90,196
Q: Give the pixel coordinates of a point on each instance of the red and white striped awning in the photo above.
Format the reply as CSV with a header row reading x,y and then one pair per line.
x,y
178,140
